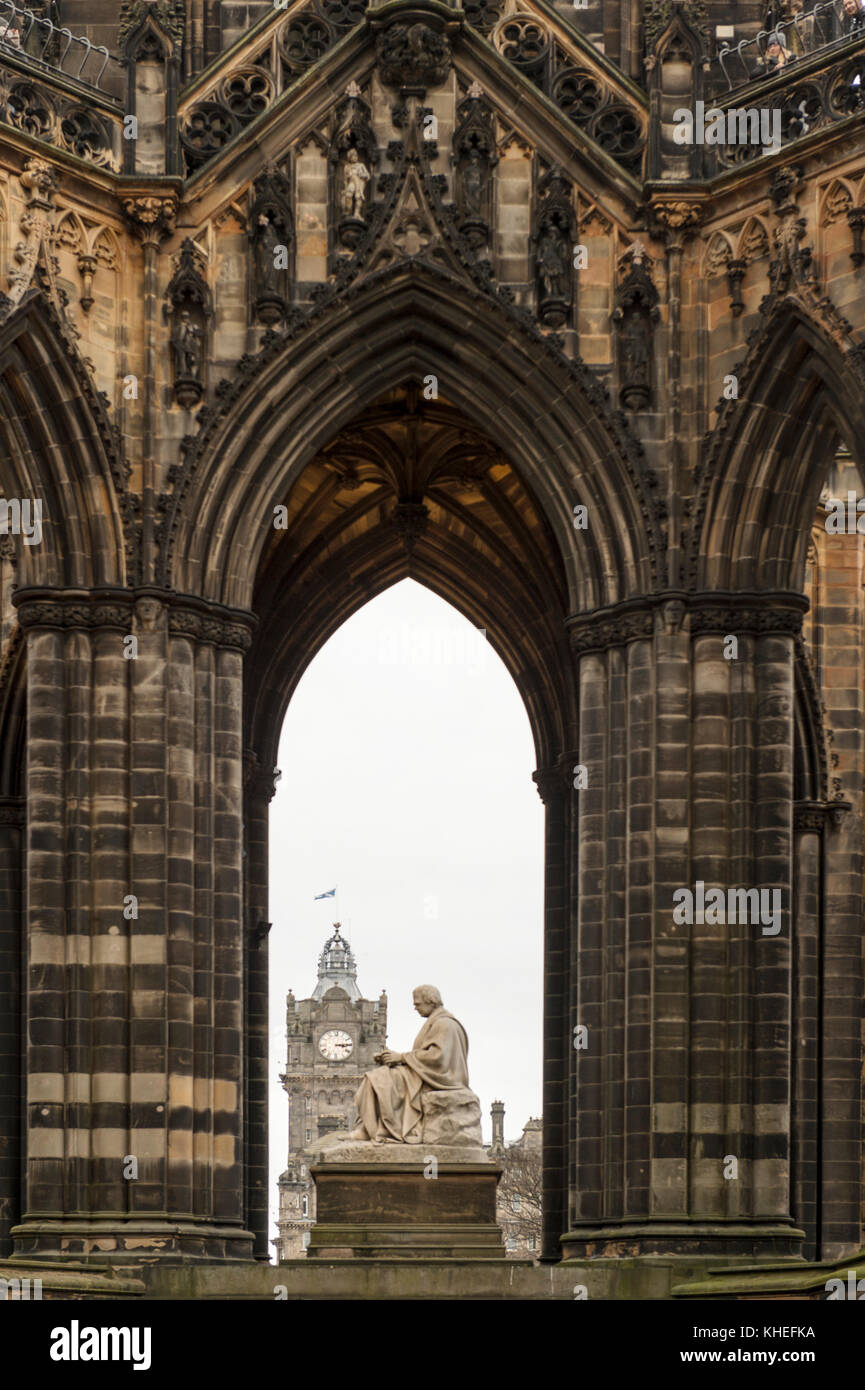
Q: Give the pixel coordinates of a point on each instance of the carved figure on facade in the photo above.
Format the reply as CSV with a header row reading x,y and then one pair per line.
x,y
189,309
271,231
635,316
353,157
555,233
355,177
474,157
413,57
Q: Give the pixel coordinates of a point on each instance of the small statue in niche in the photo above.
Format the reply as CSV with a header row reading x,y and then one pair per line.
x,y
635,315
555,229
635,352
474,183
552,262
187,347
271,231
355,178
190,307
267,245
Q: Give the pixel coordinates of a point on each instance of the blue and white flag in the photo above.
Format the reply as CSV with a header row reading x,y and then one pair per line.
x,y
331,894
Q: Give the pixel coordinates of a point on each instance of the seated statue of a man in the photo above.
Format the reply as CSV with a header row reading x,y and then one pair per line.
x,y
394,1100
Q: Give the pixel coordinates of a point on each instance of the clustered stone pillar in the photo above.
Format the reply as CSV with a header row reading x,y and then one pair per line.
x,y
681,1123
259,791
552,784
809,823
11,964
134,913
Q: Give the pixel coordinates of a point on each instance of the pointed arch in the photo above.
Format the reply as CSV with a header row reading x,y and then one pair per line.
x,y
753,243
836,199
406,323
70,232
719,252
106,247
800,391
57,444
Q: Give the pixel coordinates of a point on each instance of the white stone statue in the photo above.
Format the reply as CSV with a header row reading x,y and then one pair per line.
x,y
422,1096
355,178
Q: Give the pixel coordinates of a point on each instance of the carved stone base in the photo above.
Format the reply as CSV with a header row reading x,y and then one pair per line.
x,y
475,231
114,1241
350,231
188,391
553,311
270,308
426,1208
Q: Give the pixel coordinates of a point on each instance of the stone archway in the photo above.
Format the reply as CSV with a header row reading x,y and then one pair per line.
x,y
152,1020
410,488
346,400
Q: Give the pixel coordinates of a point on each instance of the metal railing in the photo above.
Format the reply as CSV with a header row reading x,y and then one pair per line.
x,y
824,27
56,49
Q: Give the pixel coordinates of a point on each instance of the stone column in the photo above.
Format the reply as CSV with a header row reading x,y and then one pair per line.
x,y
553,784
11,1062
682,1122
259,790
134,922
809,822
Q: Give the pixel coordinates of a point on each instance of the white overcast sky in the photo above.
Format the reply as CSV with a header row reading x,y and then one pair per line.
x,y
407,761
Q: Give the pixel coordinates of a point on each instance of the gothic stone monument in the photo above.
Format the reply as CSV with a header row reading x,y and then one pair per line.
x,y
585,382
413,1178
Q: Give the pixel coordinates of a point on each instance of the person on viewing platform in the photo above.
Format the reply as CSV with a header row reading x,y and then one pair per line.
x,y
776,56
11,34
853,19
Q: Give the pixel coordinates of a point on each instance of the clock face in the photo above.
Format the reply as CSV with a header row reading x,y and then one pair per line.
x,y
336,1045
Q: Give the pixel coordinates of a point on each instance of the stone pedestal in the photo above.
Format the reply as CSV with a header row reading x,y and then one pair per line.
x,y
406,1202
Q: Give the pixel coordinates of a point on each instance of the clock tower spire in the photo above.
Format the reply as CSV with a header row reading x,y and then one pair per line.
x,y
331,1039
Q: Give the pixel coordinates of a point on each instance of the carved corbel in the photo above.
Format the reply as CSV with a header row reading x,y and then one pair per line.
x,y
838,809
735,276
86,269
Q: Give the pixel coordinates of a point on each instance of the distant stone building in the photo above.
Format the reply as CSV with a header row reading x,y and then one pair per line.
x,y
518,1201
330,1042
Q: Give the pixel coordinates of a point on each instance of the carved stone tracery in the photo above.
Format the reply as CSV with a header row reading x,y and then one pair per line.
x,y
413,57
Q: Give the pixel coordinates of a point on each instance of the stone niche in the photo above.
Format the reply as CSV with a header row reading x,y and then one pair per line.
x,y
405,1201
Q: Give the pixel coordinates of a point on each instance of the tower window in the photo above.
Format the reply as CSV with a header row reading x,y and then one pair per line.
x,y
304,1210
308,1136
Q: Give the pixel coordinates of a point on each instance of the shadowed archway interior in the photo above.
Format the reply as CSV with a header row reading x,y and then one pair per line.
x,y
411,488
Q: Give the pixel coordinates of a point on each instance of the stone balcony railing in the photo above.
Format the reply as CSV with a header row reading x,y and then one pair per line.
x,y
820,90
60,89
57,51
823,29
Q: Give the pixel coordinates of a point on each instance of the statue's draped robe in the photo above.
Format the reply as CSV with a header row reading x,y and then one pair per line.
x,y
389,1098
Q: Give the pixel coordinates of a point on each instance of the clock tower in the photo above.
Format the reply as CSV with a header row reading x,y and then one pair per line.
x,y
331,1039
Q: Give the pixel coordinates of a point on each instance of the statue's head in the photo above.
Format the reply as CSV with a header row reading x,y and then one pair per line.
x,y
426,998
